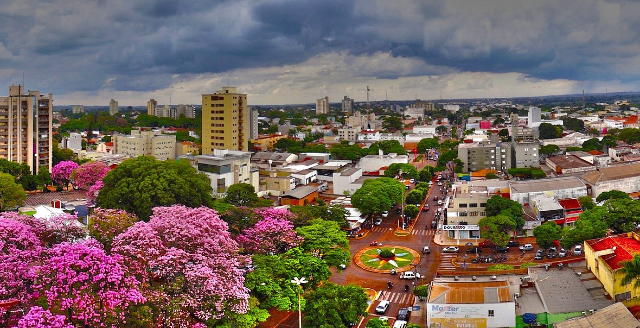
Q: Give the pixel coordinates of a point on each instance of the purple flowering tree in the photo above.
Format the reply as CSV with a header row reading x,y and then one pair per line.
x,y
41,318
93,192
271,235
87,174
54,230
61,173
188,263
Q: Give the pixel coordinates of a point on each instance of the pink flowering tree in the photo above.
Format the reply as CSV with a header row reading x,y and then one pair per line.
x,y
189,263
106,224
87,174
41,318
271,235
53,230
86,285
93,192
20,248
61,173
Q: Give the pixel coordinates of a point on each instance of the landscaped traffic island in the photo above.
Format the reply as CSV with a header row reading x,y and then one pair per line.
x,y
385,258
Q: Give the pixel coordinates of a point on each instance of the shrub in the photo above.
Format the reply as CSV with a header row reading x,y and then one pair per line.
x,y
527,264
421,291
500,267
386,253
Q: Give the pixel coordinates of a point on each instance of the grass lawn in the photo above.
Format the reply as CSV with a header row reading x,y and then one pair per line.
x,y
403,258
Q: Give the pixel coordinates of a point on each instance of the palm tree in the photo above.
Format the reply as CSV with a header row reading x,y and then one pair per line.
x,y
631,271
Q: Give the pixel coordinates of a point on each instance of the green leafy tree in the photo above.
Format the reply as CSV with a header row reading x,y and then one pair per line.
x,y
547,233
427,143
241,194
613,194
629,135
305,214
415,196
503,133
549,131
592,144
426,174
139,184
498,205
411,210
250,319
11,194
334,305
270,280
327,240
497,228
377,195
590,225
441,129
631,271
549,149
387,147
623,214
287,144
239,218
586,202
392,123
572,123
376,323
408,171
44,176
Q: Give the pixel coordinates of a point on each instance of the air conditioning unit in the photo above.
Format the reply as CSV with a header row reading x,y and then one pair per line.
x,y
516,295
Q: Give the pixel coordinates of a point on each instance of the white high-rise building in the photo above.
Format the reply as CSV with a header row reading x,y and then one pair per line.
x,y
322,106
533,116
113,107
348,105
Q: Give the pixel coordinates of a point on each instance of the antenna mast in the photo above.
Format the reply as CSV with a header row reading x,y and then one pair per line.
x,y
368,107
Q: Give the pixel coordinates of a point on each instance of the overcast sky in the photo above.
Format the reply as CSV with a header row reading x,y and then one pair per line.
x,y
295,51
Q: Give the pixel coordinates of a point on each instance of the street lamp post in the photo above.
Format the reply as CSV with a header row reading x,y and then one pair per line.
x,y
402,203
299,282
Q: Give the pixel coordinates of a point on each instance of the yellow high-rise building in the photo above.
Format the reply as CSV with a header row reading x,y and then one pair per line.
x,y
225,121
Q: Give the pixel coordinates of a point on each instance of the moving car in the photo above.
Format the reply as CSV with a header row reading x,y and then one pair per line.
x,y
439,183
378,221
435,197
409,275
426,207
412,180
400,324
426,250
439,202
385,214
382,307
450,249
526,247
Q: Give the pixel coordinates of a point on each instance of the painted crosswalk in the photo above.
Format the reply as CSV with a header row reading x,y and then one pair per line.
x,y
446,261
423,232
396,297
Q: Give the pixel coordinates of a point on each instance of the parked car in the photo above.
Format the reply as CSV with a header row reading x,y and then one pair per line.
x,y
400,324
435,197
378,221
577,250
426,250
552,254
474,250
434,224
450,249
439,176
540,254
439,183
385,214
513,243
412,180
562,253
398,210
426,207
403,314
382,307
486,244
526,247
502,249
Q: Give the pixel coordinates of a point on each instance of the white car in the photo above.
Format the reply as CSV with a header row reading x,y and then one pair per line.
x,y
412,180
378,221
382,307
450,249
577,250
409,275
385,214
439,202
439,183
526,247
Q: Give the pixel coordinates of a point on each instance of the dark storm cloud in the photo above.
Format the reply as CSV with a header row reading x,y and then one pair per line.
x,y
77,45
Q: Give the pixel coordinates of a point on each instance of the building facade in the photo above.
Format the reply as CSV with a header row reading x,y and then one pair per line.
x,y
485,155
146,143
622,177
225,121
322,106
77,109
348,105
26,127
151,106
225,168
113,107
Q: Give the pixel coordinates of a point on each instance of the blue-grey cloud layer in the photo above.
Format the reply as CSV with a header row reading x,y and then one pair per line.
x,y
77,45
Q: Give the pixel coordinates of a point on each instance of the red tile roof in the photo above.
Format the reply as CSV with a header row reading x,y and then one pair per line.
x,y
595,152
569,203
625,247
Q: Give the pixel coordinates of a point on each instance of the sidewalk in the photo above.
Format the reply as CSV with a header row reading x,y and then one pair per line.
x,y
444,240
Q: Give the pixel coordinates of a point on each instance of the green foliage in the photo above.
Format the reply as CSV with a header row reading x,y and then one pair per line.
x,y
427,143
426,174
548,131
270,280
239,218
500,267
327,240
629,135
345,151
527,172
305,214
415,196
572,123
586,202
613,194
592,144
503,133
411,210
631,272
447,156
392,123
376,323
408,171
139,184
377,195
491,175
387,147
11,194
386,253
334,305
527,264
498,229
424,186
622,214
549,149
251,319
547,233
241,194
421,291
498,205
288,145
590,225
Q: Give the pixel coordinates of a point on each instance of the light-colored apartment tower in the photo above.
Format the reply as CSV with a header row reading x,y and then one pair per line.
x,y
322,106
113,107
151,106
225,121
146,143
348,105
77,109
25,127
533,116
253,124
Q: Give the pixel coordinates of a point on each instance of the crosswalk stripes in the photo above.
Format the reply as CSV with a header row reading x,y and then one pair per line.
x,y
423,232
393,297
446,261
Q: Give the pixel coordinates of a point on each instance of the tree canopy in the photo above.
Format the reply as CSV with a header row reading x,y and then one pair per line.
x,y
497,228
549,131
547,233
139,184
427,144
11,194
612,194
346,305
377,195
327,240
498,205
408,171
241,194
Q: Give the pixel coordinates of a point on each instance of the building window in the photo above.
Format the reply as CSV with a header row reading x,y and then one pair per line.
x,y
473,204
462,205
491,313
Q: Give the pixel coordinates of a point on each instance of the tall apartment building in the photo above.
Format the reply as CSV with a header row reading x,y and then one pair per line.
x,y
113,107
189,111
77,109
145,143
25,127
485,155
151,106
322,106
253,124
225,121
533,116
348,105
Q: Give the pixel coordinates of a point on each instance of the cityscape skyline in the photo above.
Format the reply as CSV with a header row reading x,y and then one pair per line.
x,y
294,52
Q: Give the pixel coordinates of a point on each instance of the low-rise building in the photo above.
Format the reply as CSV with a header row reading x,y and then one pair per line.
x,y
305,177
270,160
266,142
604,318
373,163
622,177
348,181
566,164
225,168
279,185
300,196
73,141
146,143
424,129
369,135
187,147
350,134
467,206
605,257
558,188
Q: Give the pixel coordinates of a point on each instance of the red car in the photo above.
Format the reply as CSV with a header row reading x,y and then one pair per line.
x,y
486,244
435,197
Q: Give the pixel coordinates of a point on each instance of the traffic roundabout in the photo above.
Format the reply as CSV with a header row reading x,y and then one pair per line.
x,y
383,259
